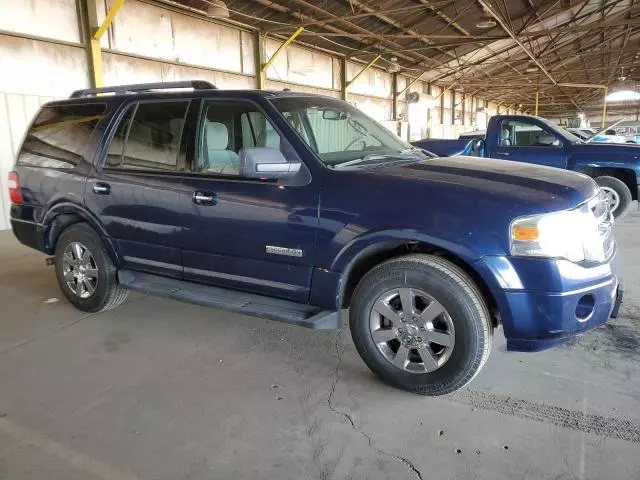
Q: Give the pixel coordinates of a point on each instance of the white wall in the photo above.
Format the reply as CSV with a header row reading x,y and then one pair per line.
x,y
43,50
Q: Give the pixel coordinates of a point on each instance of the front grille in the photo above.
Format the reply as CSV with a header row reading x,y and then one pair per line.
x,y
604,219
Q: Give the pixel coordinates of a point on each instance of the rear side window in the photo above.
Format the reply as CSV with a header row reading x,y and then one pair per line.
x,y
59,135
148,137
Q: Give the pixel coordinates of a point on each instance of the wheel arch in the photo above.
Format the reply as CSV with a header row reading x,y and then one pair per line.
x,y
625,175
374,254
64,214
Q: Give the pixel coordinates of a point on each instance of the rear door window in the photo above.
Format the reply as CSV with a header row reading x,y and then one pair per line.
x,y
148,137
60,134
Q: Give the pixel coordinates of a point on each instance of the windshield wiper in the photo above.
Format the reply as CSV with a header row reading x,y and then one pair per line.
x,y
403,155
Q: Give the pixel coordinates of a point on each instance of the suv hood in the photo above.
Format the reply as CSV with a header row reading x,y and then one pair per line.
x,y
521,187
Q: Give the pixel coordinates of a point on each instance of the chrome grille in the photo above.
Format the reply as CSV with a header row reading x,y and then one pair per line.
x,y
604,219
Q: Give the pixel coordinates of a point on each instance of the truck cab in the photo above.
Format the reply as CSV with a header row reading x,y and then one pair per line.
x,y
535,140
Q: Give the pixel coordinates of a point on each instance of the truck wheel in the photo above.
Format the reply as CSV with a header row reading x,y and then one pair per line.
x,y
618,195
86,274
421,324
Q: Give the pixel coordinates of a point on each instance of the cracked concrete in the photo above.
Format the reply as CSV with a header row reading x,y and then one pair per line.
x,y
158,389
336,379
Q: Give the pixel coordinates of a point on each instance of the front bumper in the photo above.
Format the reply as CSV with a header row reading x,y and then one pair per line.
x,y
543,303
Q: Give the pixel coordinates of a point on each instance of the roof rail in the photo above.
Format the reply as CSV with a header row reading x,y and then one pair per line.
x,y
144,87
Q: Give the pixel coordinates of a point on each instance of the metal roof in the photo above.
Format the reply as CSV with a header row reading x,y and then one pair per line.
x,y
534,45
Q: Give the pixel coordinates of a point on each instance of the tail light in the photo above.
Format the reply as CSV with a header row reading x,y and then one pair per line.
x,y
15,194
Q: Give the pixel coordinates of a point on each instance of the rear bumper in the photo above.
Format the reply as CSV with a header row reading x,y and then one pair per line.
x,y
28,233
543,303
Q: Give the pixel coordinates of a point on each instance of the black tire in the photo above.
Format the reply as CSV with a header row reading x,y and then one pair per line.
x,y
623,192
456,292
108,292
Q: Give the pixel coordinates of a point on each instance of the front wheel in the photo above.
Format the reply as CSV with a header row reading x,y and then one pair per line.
x,y
618,195
421,324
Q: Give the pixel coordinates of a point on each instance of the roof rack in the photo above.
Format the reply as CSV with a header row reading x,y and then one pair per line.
x,y
144,87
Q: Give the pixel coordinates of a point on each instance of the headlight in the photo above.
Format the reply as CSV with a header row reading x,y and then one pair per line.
x,y
571,234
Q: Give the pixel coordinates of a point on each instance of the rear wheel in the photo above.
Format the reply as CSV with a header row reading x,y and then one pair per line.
x,y
618,195
421,324
85,273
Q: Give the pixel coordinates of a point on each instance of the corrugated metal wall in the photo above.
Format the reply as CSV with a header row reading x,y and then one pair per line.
x,y
149,43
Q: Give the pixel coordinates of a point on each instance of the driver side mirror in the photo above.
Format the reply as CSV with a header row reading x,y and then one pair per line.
x,y
264,162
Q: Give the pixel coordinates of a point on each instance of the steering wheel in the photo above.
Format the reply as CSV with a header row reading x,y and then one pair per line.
x,y
353,142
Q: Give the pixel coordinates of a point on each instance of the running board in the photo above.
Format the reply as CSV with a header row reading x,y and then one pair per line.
x,y
231,300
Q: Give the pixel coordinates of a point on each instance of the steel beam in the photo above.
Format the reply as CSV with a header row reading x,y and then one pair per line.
x,y
286,43
97,30
412,83
367,67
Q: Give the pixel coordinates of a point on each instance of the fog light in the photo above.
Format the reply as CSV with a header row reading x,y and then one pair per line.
x,y
585,307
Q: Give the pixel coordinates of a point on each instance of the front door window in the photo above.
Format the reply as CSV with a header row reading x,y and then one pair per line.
x,y
518,133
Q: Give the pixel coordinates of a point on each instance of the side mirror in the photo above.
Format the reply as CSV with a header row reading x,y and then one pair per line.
x,y
264,162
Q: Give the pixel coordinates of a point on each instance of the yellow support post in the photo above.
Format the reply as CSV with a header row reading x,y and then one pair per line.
x,y
111,14
446,90
95,51
537,96
286,43
604,107
368,66
412,83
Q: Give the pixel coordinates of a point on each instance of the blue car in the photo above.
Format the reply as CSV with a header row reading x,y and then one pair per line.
x,y
294,207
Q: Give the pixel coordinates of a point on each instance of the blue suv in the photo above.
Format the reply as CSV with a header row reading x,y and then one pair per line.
x,y
292,207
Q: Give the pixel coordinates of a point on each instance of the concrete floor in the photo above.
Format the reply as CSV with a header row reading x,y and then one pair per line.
x,y
158,389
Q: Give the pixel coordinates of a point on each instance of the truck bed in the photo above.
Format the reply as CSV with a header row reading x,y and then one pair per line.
x,y
449,148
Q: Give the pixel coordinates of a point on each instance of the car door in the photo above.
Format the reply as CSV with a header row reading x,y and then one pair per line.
x,y
256,235
134,188
525,140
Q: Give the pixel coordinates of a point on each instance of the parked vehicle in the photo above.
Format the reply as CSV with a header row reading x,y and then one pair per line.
x,y
580,133
529,139
292,207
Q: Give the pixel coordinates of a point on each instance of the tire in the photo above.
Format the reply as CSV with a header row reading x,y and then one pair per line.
x,y
466,318
618,193
97,288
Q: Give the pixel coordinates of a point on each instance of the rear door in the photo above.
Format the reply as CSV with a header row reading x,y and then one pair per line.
x,y
245,233
524,140
135,186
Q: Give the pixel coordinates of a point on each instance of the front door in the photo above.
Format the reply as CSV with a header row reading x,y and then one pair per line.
x,y
524,140
134,189
253,235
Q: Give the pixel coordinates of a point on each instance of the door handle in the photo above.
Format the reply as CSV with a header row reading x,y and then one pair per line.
x,y
204,198
101,188
506,154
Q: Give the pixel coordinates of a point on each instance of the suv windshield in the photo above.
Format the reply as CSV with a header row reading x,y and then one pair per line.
x,y
340,133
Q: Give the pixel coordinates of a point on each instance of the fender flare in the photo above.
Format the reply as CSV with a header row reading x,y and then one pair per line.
x,y
70,208
373,242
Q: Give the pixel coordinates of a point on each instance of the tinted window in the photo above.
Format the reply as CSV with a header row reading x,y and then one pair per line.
x,y
225,128
116,149
59,135
526,134
148,137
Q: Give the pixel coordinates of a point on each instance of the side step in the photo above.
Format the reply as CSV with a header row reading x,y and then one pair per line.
x,y
231,300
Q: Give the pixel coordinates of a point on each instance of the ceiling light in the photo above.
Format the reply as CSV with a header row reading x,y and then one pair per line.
x,y
624,90
217,9
486,22
622,96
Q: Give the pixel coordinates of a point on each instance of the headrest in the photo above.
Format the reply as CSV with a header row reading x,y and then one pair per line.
x,y
217,136
269,138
